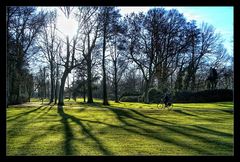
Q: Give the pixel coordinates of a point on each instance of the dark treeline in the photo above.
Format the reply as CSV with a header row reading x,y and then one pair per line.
x,y
111,55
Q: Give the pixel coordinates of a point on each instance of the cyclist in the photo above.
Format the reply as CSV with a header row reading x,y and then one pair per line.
x,y
166,100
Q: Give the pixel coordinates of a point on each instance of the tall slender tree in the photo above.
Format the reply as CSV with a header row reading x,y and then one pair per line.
x,y
119,61
107,17
49,46
90,33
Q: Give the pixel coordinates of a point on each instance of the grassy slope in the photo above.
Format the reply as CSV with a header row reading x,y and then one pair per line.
x,y
120,129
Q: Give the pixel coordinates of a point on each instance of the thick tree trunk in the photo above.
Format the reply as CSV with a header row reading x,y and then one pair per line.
x,y
146,97
105,100
89,79
61,90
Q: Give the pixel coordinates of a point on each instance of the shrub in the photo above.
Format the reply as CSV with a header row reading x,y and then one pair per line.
x,y
154,95
129,99
130,94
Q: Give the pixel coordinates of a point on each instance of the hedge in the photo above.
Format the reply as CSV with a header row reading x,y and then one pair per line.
x,y
218,95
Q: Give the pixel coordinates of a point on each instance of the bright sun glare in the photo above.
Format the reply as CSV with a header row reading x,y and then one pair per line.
x,y
68,27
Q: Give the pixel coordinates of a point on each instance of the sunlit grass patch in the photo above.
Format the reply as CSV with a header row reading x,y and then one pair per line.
x,y
120,129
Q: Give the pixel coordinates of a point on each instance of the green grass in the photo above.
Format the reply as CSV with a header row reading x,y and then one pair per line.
x,y
120,129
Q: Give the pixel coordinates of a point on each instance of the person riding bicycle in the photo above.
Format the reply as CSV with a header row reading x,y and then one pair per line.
x,y
166,99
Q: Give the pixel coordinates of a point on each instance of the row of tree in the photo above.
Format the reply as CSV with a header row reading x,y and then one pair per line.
x,y
136,52
23,26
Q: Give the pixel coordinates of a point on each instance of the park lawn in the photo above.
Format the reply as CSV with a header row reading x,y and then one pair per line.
x,y
119,129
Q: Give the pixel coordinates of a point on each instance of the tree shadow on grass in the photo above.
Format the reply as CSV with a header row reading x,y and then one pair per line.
x,y
69,133
95,105
42,114
187,131
18,125
225,105
210,131
122,115
228,111
24,113
201,117
148,117
25,149
17,129
140,125
184,112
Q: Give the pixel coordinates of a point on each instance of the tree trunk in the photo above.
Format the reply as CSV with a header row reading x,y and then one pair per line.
x,y
84,93
52,84
159,75
146,97
115,82
193,82
56,87
188,76
164,80
18,92
89,79
105,100
61,90
56,92
47,90
171,81
44,84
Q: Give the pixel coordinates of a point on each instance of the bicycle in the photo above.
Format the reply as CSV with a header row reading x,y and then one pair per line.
x,y
161,105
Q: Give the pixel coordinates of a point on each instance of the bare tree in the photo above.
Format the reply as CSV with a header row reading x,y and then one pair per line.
x,y
204,42
49,46
108,16
69,63
119,61
24,24
88,15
